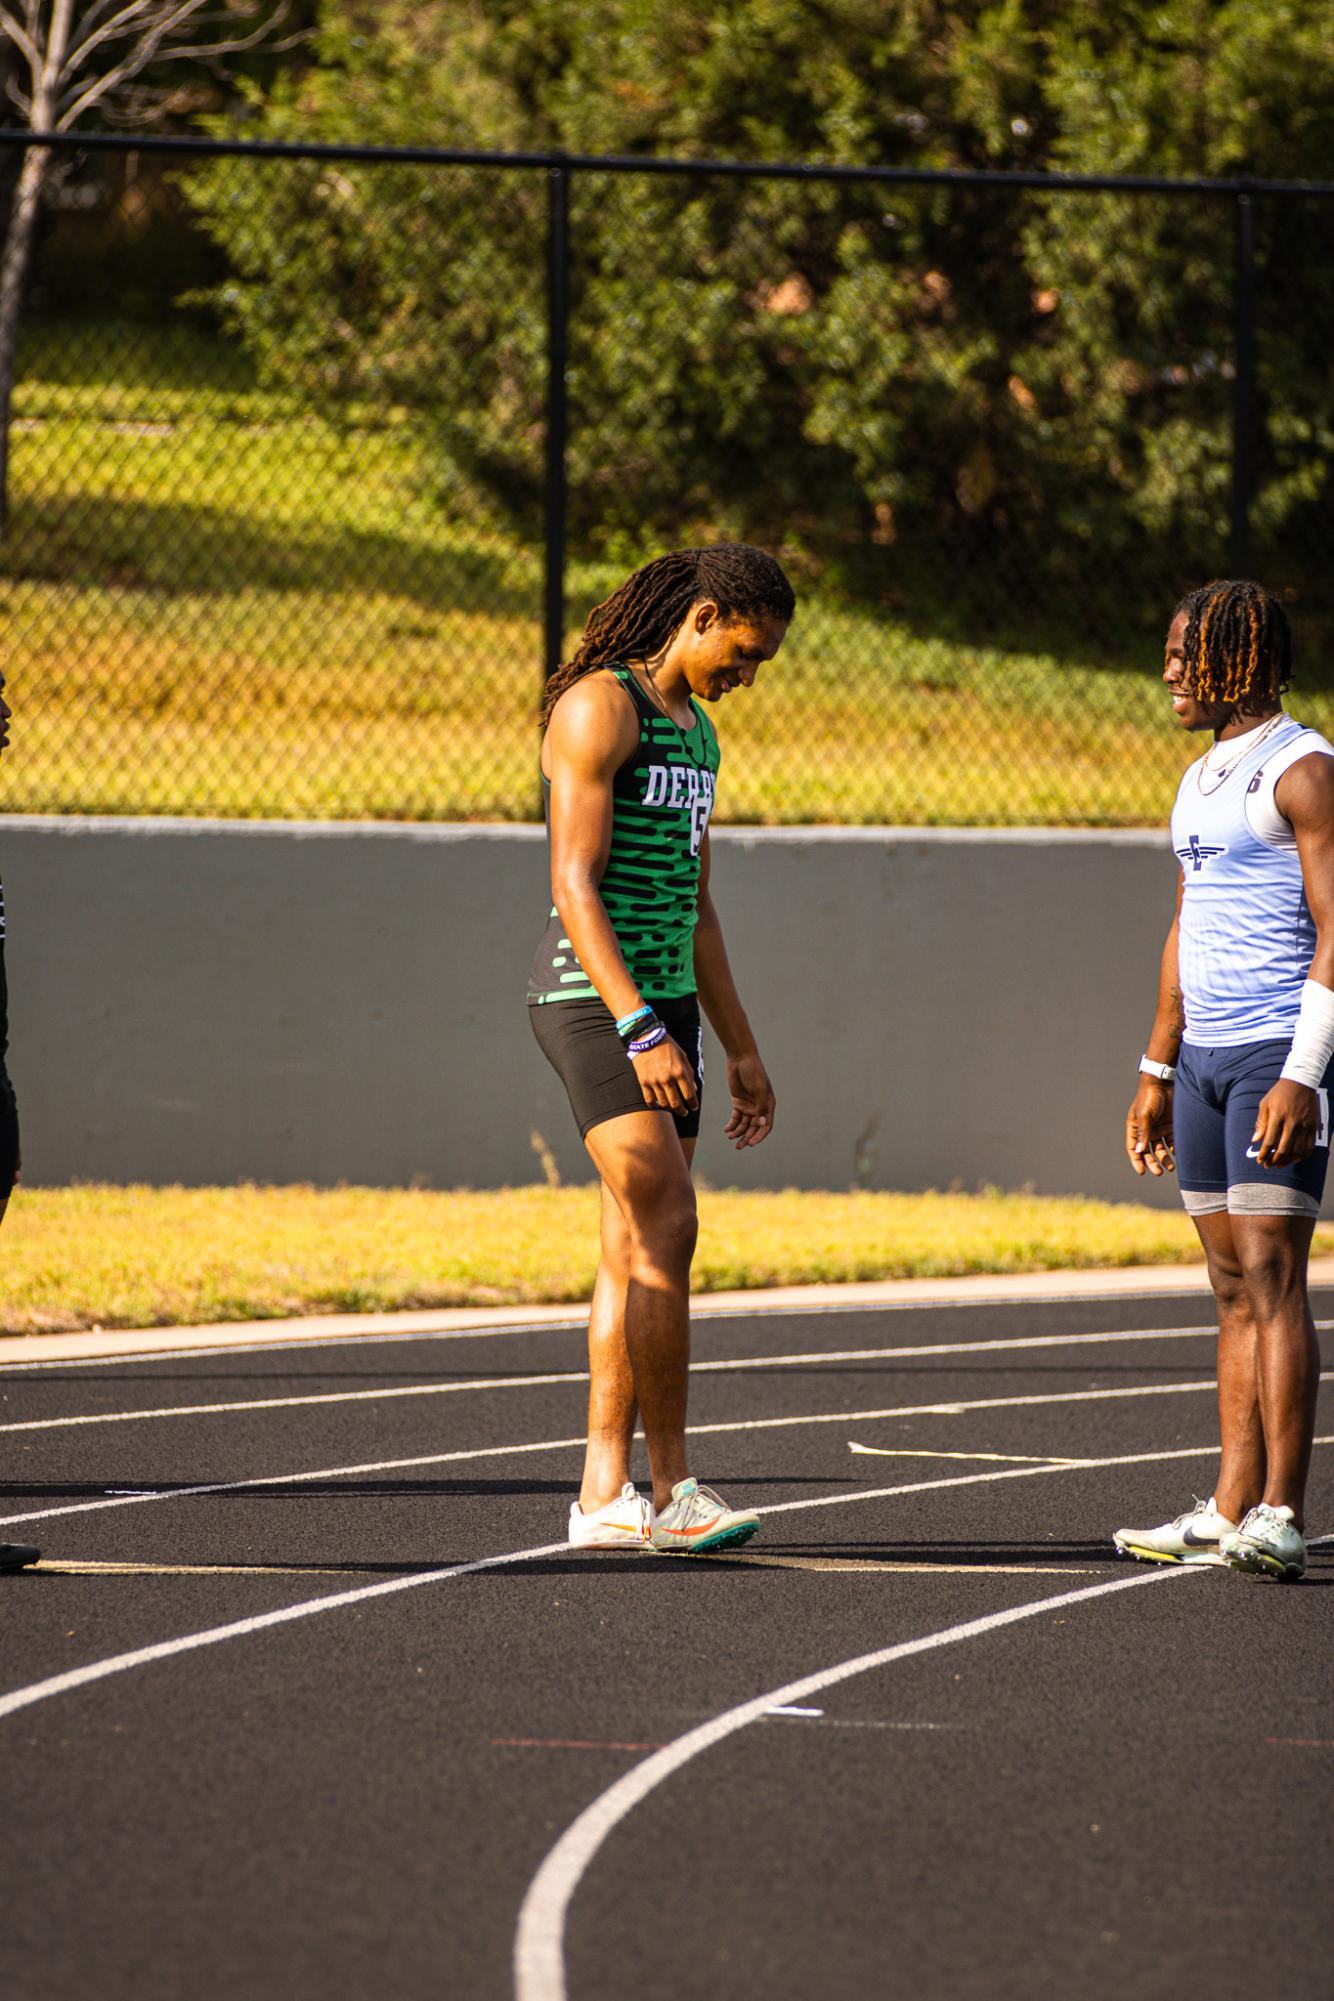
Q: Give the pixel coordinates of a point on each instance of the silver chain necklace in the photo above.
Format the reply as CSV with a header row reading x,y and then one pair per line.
x,y
1222,772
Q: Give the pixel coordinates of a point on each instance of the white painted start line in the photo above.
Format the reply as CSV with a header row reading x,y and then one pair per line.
x,y
94,1671
131,1497
724,1366
539,1947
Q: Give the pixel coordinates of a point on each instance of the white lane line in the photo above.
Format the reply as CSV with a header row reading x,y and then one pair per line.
x,y
22,1698
722,1366
975,1403
981,1347
1010,1473
566,1376
579,1321
119,1500
920,1452
61,1684
422,1460
131,1500
539,1947
859,1566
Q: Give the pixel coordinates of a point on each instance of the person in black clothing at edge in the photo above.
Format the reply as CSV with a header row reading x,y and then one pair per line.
x,y
13,1555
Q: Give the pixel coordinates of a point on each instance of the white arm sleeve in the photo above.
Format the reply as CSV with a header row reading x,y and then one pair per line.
x,y
1313,1042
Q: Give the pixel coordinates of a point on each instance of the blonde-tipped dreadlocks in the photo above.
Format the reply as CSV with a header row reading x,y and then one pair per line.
x,y
637,620
1238,645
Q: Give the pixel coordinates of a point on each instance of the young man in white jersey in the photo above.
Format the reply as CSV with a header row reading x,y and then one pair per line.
x,y
1242,1041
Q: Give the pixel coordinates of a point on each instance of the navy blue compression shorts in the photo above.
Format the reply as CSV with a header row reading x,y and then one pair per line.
x,y
1218,1093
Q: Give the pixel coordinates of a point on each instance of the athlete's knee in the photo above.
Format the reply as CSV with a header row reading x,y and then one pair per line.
x,y
1228,1282
664,1237
1273,1268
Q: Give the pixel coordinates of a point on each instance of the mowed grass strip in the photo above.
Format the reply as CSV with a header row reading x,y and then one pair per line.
x,y
91,1256
219,602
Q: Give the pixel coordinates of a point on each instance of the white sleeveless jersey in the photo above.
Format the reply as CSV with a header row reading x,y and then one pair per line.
x,y
1247,936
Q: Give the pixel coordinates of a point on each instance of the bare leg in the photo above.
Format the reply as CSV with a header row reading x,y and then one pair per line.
x,y
612,1408
645,1170
1241,1467
1274,1251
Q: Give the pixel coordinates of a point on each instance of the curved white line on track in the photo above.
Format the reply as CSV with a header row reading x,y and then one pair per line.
x,y
723,1366
539,1947
60,1684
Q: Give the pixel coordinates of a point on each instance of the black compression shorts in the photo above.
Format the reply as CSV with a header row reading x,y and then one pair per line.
x,y
579,1040
9,1137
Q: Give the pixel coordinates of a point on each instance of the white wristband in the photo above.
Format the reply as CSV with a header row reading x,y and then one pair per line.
x,y
1313,1043
1165,1072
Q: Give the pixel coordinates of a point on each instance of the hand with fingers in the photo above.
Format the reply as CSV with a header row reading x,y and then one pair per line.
x,y
1287,1125
1149,1129
752,1098
665,1075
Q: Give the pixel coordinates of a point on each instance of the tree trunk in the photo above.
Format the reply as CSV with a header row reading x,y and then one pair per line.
x,y
13,271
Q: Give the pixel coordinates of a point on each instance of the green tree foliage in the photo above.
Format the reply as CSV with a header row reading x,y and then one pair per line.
x,y
868,374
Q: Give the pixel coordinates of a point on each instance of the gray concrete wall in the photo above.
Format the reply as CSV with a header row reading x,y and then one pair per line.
x,y
202,1002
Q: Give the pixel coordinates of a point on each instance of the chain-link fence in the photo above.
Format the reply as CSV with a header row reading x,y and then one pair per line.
x,y
311,455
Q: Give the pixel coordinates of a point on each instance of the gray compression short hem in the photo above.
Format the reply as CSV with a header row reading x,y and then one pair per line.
x,y
1251,1198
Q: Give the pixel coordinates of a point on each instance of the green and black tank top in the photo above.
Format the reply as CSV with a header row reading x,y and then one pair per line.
x,y
661,800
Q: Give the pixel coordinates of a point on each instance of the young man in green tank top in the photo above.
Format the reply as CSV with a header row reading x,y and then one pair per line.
x,y
632,949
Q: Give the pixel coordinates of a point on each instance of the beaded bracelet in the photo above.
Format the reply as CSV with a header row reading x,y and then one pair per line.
x,y
633,1019
655,1035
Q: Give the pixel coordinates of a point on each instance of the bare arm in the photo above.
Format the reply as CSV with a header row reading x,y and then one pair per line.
x,y
748,1083
1149,1120
592,731
1289,1117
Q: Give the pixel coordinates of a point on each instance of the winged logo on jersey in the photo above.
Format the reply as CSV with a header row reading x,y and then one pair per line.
x,y
1197,854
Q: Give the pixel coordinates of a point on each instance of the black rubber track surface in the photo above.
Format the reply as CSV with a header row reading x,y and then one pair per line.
x,y
1124,1796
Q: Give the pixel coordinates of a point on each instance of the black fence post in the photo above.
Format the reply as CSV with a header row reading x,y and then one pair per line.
x,y
558,319
1243,386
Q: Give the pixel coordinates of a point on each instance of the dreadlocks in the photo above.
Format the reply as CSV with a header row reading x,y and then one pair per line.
x,y
638,620
1238,645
